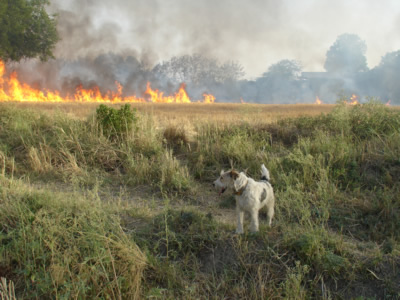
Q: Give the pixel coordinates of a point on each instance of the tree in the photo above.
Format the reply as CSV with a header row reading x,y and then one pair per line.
x,y
281,83
285,69
26,30
198,70
385,77
391,61
347,55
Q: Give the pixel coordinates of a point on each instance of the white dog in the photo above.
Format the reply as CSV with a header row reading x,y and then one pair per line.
x,y
250,195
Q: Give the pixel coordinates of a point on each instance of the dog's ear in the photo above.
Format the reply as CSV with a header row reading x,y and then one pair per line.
x,y
222,172
239,182
234,174
231,163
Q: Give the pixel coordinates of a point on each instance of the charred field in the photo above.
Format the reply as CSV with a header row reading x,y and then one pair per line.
x,y
121,207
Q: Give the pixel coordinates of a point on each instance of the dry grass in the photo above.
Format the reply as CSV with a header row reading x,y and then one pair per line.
x,y
189,116
183,113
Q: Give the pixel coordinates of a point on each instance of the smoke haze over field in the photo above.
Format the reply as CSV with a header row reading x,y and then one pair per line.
x,y
255,33
266,51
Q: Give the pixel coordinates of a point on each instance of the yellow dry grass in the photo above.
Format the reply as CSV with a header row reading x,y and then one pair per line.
x,y
188,116
176,114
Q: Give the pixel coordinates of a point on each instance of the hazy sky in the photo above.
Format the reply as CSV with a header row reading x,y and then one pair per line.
x,y
254,33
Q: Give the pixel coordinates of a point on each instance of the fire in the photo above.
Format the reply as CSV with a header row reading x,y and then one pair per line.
x,y
318,101
155,96
11,89
208,98
353,100
388,103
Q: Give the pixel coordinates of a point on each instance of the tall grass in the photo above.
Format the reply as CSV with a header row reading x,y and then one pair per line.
x,y
336,233
61,246
66,149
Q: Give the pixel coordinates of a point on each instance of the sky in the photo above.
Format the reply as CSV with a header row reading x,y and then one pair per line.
x,y
254,33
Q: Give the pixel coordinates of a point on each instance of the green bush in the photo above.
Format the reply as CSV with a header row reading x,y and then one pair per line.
x,y
115,123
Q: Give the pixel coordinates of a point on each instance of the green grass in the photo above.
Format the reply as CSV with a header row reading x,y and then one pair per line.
x,y
84,215
65,246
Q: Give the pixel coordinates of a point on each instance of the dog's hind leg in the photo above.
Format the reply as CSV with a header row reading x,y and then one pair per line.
x,y
240,216
270,214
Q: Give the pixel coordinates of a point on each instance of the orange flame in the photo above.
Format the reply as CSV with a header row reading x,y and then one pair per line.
x,y
155,96
388,103
318,101
208,98
353,100
11,89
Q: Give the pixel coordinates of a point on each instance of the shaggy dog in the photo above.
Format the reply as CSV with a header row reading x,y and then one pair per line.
x,y
250,195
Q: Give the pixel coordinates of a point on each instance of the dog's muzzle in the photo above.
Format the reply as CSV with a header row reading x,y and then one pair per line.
x,y
222,191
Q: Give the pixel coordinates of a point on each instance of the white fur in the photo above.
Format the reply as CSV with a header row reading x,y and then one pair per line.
x,y
254,195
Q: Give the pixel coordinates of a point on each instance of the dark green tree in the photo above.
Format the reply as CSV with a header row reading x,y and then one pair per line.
x,y
347,55
26,30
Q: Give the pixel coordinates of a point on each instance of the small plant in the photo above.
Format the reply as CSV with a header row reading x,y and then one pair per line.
x,y
294,286
115,123
175,137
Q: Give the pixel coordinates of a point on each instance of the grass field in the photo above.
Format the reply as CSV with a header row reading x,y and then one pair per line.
x,y
89,212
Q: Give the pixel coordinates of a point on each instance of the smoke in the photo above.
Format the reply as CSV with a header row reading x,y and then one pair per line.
x,y
122,40
156,30
257,33
103,71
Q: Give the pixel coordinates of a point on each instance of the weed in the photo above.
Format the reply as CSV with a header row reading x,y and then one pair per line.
x,y
115,124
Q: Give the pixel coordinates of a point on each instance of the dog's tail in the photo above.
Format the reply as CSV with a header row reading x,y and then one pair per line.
x,y
264,173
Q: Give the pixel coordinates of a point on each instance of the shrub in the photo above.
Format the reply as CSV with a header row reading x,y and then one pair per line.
x,y
321,250
115,123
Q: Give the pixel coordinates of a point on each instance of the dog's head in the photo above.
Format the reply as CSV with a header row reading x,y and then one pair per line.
x,y
230,179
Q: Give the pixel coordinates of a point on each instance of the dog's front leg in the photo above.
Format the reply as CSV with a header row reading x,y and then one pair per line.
x,y
254,220
240,215
270,214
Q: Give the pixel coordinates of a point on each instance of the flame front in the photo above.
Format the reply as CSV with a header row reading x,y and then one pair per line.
x,y
208,98
11,89
353,100
318,101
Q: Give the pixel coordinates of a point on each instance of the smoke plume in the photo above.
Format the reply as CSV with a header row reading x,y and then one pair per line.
x,y
107,41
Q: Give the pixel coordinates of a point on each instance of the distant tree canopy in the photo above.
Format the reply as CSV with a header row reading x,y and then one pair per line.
x,y
284,69
197,69
26,30
347,55
391,61
386,74
280,82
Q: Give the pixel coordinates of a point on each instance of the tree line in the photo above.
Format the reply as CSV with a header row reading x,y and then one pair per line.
x,y
28,31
